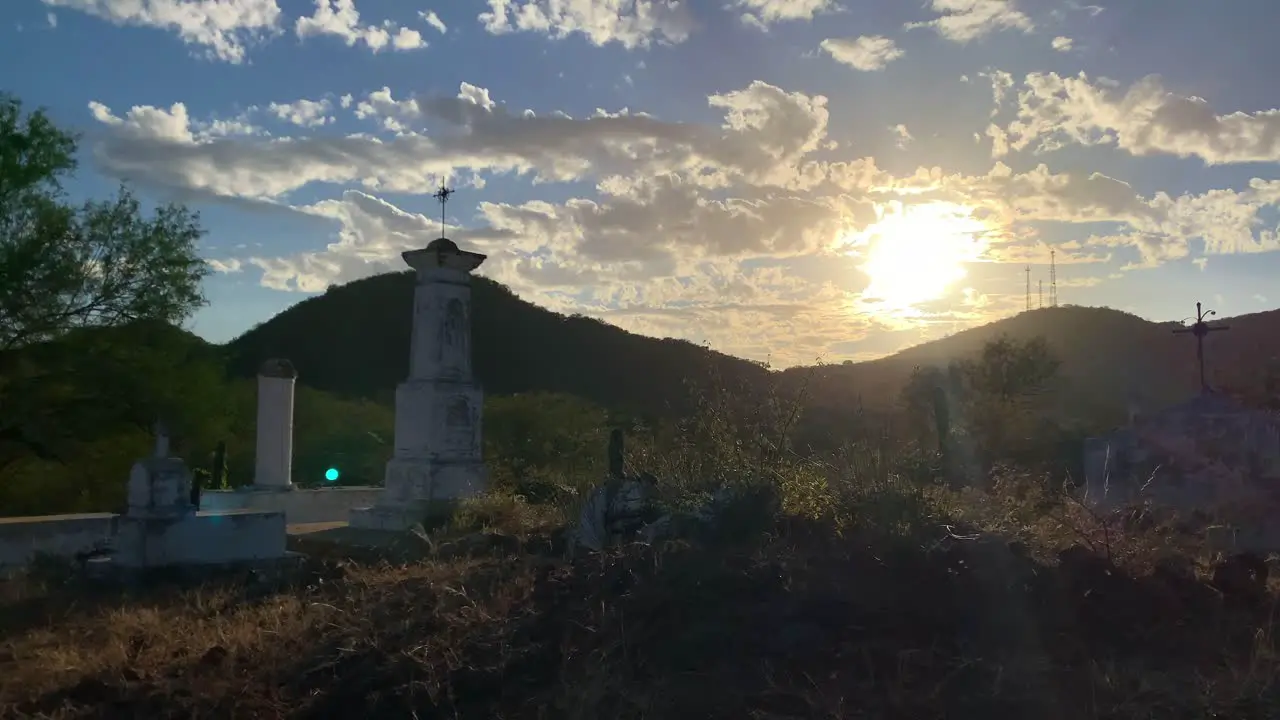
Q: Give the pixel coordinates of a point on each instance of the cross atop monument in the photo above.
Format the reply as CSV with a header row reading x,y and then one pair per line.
x,y
1200,329
442,195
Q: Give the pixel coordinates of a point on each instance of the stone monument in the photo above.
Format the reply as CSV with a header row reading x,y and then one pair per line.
x,y
273,463
437,458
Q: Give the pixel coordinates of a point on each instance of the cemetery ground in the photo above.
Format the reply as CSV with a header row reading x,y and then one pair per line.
x,y
828,591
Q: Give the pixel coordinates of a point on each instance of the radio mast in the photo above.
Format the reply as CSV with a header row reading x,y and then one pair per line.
x,y
1053,278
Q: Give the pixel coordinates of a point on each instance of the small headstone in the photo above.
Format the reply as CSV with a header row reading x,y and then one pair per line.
x,y
160,486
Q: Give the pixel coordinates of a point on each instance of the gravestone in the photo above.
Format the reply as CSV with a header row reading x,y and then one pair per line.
x,y
437,458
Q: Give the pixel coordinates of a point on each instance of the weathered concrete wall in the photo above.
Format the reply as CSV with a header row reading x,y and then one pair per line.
x,y
57,535
299,506
206,538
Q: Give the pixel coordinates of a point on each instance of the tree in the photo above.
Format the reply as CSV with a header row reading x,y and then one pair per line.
x,y
993,399
99,264
1010,371
68,272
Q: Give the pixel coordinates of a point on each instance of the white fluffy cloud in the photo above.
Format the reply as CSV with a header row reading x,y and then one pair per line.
x,y
341,19
431,18
868,52
225,29
303,113
630,23
221,28
764,13
1145,119
965,20
1062,44
765,133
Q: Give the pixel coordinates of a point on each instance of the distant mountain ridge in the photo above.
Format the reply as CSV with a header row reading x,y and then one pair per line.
x,y
353,341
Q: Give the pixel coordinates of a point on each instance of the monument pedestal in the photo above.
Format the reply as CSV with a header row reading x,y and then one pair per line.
x,y
420,491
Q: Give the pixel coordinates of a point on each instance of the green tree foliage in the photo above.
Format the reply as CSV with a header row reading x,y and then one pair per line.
x,y
103,263
89,399
88,354
543,445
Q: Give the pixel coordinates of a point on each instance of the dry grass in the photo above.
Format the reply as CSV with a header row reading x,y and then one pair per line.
x,y
800,623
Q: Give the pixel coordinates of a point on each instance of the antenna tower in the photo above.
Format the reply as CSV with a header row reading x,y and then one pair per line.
x,y
442,195
1028,287
1041,290
1053,278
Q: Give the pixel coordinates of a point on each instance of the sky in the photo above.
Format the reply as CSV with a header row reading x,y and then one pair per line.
x,y
792,181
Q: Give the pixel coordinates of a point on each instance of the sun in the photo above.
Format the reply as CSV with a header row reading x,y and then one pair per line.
x,y
915,253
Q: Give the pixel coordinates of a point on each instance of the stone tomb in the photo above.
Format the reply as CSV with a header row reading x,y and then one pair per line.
x,y
159,528
437,458
162,528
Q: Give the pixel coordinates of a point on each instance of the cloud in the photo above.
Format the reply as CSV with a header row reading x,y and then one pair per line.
x,y
222,29
52,20
639,230
902,136
431,18
1062,44
765,133
1145,119
665,291
869,52
230,265
303,113
632,24
963,21
763,13
341,19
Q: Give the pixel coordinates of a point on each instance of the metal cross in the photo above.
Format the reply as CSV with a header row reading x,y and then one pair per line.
x,y
442,195
1200,329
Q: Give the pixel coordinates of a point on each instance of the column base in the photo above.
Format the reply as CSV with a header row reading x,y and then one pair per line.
x,y
398,518
421,491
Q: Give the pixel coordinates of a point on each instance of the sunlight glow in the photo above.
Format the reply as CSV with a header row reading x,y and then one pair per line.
x,y
915,253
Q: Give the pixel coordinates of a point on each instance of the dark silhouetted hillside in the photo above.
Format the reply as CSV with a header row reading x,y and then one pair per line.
x,y
354,341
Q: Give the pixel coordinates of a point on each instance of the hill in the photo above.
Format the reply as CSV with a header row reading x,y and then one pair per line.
x,y
354,339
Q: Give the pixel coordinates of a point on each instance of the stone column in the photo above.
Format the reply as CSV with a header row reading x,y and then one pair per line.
x,y
273,463
437,458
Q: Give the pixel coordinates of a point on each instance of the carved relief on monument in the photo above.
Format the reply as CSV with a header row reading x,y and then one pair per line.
x,y
453,332
459,425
